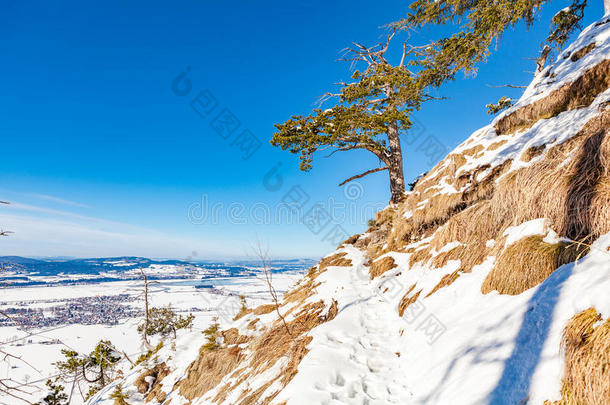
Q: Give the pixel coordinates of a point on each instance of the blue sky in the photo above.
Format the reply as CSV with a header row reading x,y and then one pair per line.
x,y
100,157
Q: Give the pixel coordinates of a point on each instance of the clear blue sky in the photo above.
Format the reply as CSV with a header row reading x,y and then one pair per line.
x,y
100,157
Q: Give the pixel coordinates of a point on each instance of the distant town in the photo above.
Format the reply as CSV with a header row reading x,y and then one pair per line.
x,y
102,309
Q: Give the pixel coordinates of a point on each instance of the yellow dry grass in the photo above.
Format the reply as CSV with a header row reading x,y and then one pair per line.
x,y
582,52
208,370
496,145
381,266
586,340
351,240
569,186
277,342
152,390
263,309
473,151
577,94
242,312
446,281
441,259
527,262
338,259
232,337
532,152
407,300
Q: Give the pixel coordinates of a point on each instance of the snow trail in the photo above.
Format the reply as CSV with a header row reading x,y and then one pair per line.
x,y
361,345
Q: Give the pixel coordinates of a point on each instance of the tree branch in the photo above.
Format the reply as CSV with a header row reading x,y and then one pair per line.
x,y
364,174
507,85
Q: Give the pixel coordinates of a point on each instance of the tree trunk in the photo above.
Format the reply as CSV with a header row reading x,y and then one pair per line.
x,y
397,177
146,313
607,7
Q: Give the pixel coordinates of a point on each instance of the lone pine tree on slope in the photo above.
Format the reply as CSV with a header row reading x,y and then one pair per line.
x,y
369,114
372,111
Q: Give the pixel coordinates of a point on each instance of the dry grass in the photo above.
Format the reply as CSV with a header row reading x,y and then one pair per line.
x,y
407,300
528,262
441,259
152,390
232,337
440,208
242,312
351,240
532,152
208,370
275,343
586,340
591,165
385,216
580,93
446,281
582,52
496,145
338,259
263,309
473,151
381,266
420,256
569,186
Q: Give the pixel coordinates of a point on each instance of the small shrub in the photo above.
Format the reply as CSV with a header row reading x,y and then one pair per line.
x,y
502,104
56,395
119,396
211,334
164,321
146,356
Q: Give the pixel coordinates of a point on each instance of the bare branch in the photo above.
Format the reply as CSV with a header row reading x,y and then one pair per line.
x,y
146,312
325,97
507,85
263,255
404,54
363,174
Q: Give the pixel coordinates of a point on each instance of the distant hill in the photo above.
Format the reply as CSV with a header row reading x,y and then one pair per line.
x,y
54,266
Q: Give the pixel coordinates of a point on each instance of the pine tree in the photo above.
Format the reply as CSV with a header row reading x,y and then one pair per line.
x,y
56,395
502,104
94,368
368,113
164,321
119,396
479,25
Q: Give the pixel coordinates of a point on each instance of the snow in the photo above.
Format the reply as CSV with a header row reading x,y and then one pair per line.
x,y
41,354
457,345
550,132
538,226
491,348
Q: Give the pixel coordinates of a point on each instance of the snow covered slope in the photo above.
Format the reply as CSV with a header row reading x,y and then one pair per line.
x,y
471,291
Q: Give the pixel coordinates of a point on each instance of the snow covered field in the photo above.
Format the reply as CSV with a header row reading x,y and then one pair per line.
x,y
41,347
